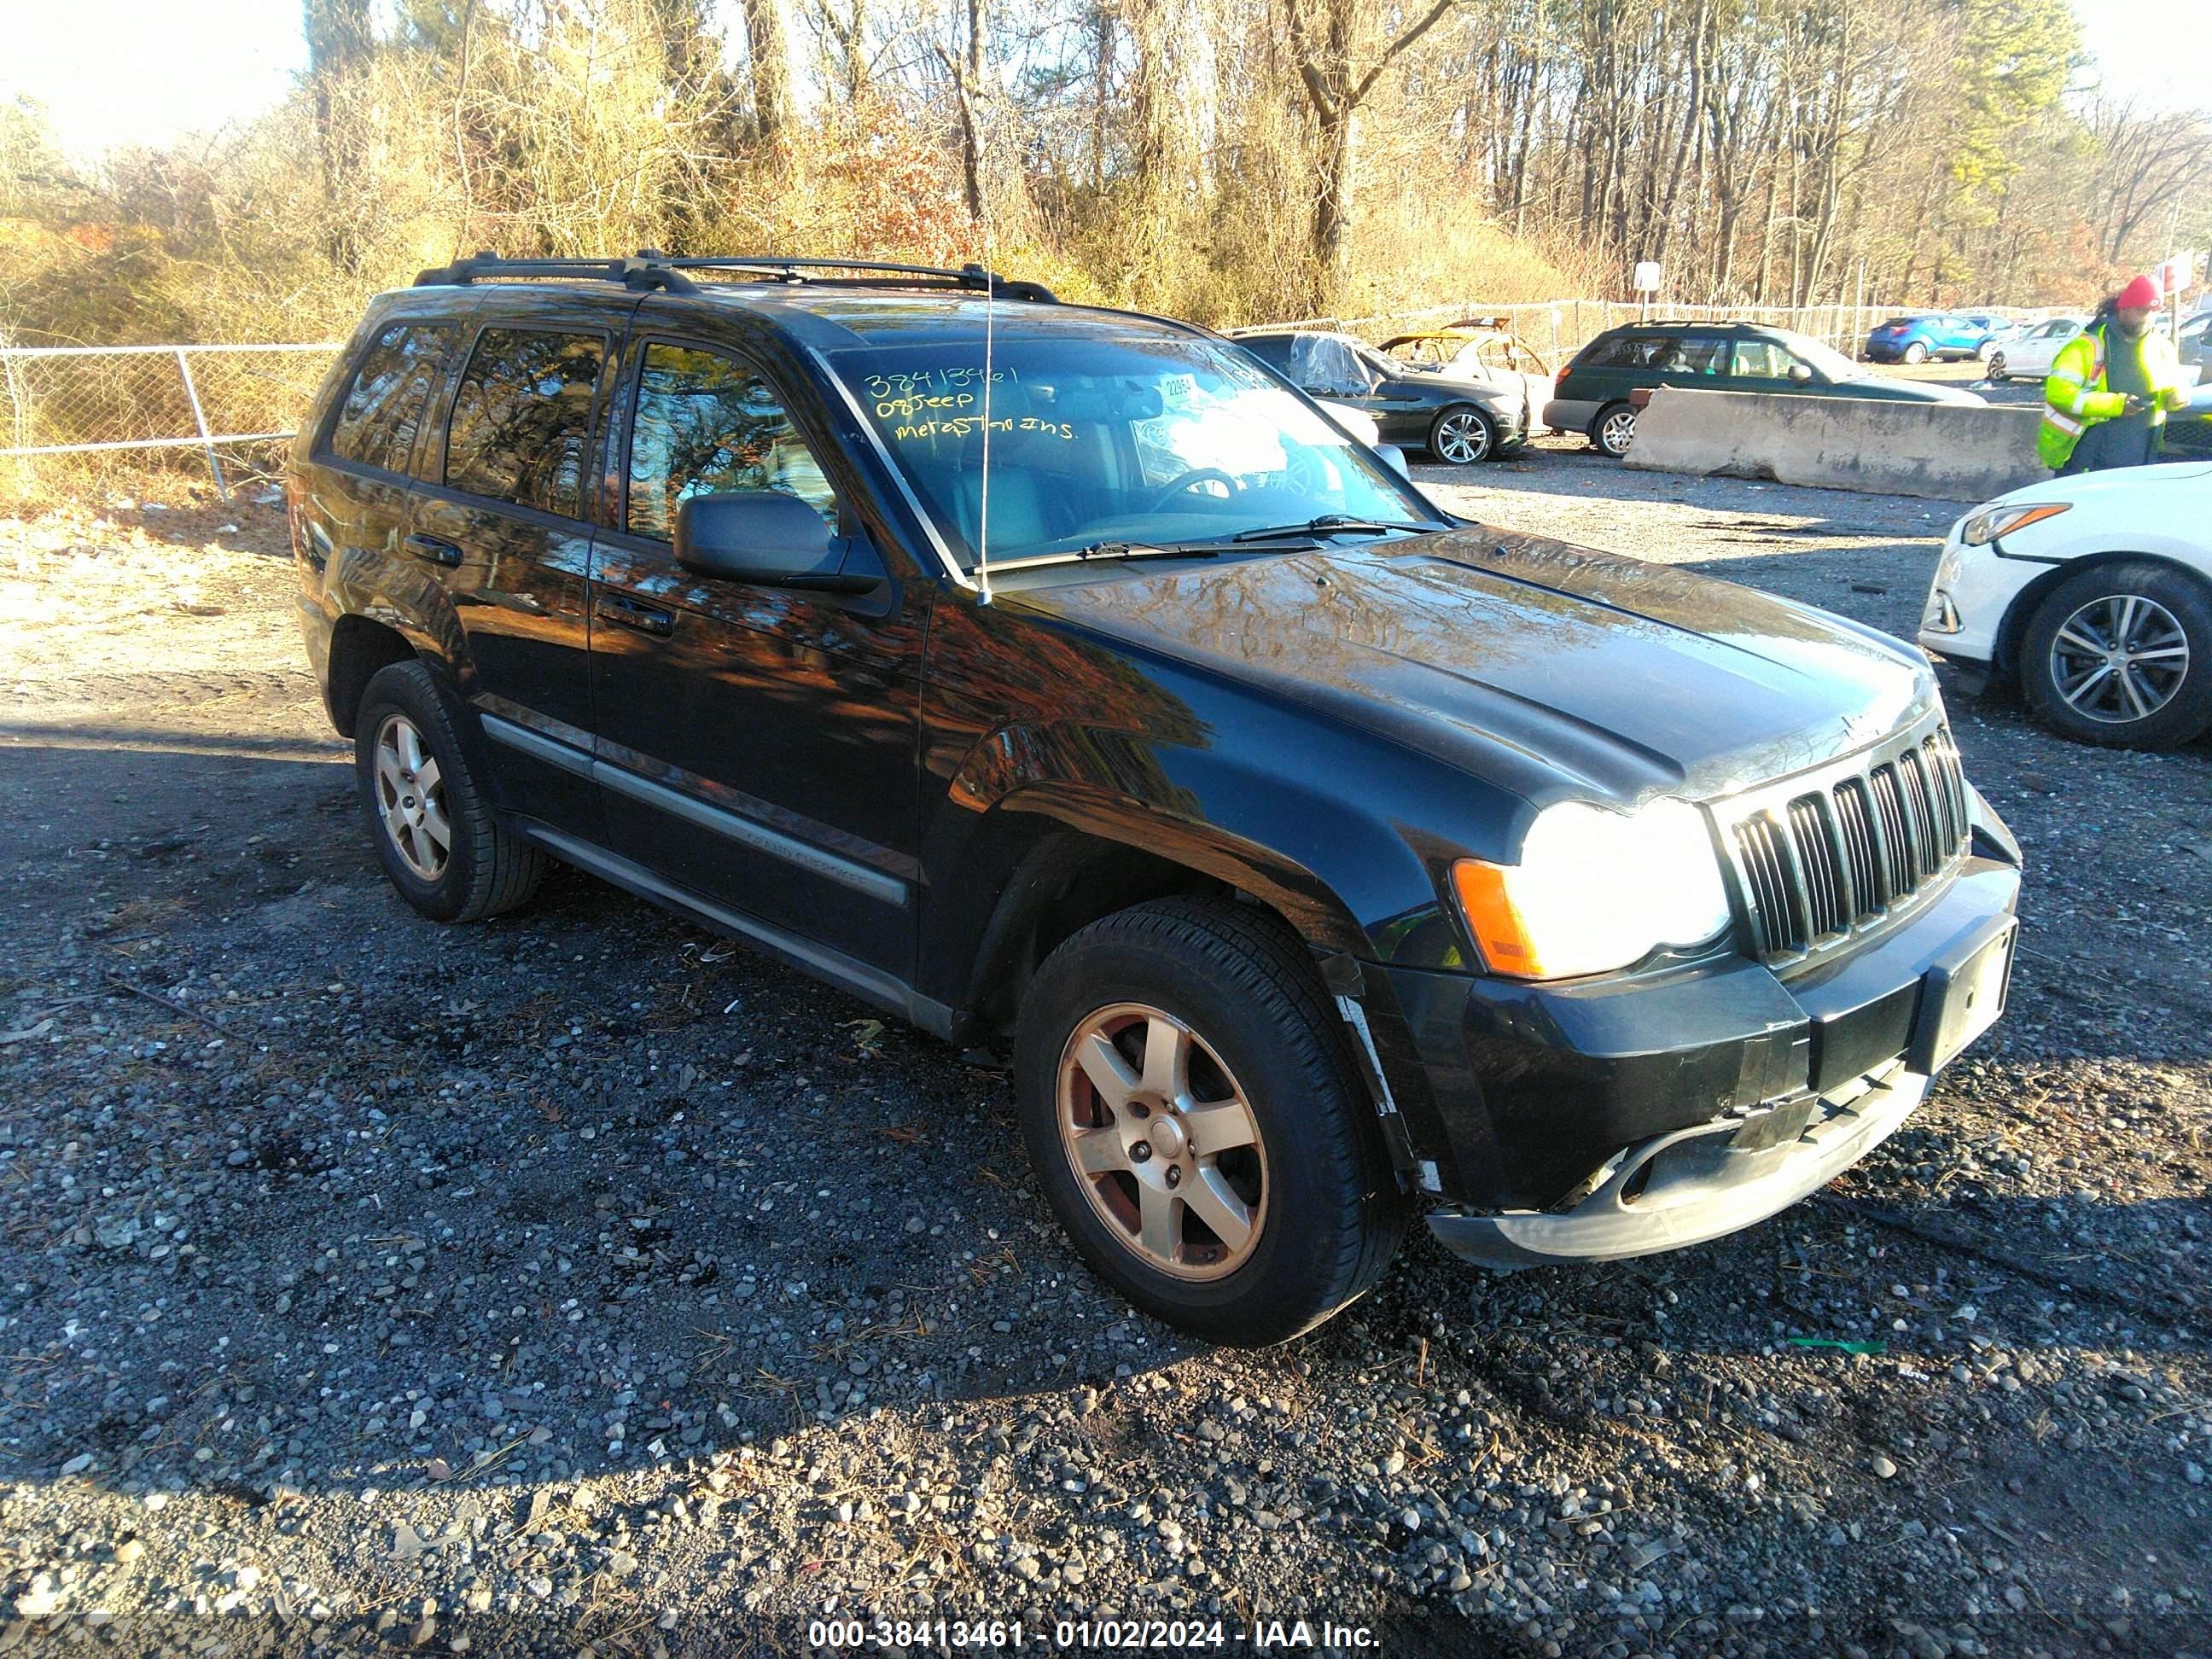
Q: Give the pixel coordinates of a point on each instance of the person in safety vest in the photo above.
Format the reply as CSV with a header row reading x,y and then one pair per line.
x,y
2110,386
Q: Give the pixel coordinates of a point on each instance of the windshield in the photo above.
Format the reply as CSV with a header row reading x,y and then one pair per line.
x,y
1824,360
1101,441
1379,364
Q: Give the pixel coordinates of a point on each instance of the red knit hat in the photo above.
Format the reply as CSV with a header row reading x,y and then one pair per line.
x,y
2140,291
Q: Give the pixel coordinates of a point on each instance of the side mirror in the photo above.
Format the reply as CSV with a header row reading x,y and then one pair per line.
x,y
1394,458
1800,373
771,539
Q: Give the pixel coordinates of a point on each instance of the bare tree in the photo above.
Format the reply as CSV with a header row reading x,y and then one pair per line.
x,y
1338,64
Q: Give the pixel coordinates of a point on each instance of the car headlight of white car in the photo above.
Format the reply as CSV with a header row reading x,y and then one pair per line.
x,y
1985,526
1595,889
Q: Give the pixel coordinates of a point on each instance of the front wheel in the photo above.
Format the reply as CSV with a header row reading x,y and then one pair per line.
x,y
2122,655
1998,371
1461,436
1916,354
1614,428
1190,1109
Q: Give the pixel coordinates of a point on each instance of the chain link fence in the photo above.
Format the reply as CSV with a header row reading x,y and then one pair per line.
x,y
89,401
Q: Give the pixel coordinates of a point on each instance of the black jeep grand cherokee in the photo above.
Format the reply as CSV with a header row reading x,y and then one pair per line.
x,y
1320,854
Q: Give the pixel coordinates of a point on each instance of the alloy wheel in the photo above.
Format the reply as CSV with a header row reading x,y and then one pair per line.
x,y
411,794
1163,1141
1617,432
2119,658
1462,438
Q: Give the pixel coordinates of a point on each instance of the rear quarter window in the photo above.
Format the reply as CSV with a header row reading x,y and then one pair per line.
x,y
390,391
1632,351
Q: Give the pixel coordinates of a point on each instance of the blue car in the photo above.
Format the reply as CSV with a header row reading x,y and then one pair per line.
x,y
1934,334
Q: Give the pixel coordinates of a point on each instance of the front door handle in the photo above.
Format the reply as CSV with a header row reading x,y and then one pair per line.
x,y
432,547
633,613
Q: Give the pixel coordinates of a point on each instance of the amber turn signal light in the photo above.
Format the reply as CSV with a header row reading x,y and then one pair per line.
x,y
1500,933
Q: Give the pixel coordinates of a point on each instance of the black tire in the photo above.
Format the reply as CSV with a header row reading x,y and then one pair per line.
x,y
1613,429
1462,435
2174,609
1996,371
1246,988
1916,354
485,870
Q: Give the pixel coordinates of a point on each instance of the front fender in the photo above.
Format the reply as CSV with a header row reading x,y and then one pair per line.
x,y
1317,824
1038,829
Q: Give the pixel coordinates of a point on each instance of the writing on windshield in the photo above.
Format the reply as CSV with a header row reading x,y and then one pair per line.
x,y
1099,437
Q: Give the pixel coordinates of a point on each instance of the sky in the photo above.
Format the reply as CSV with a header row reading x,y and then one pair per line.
x,y
143,71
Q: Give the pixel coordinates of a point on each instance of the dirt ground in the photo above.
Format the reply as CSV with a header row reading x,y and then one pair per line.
x,y
579,1278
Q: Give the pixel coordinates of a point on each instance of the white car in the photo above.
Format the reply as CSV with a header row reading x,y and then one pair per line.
x,y
2095,594
2028,354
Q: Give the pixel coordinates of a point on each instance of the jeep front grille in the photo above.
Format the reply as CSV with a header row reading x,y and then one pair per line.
x,y
1820,858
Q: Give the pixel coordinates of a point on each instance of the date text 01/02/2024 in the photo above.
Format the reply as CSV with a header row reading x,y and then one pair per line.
x,y
829,1635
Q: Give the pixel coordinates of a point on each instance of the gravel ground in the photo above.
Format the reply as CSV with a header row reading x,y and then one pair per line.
x,y
579,1278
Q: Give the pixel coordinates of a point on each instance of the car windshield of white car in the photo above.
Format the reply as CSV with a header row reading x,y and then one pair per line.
x,y
1097,441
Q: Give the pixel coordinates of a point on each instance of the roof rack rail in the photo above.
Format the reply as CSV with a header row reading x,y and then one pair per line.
x,y
649,268
638,271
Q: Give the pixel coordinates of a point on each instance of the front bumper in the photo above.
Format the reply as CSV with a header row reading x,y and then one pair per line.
x,y
1693,1185
1971,597
1601,1120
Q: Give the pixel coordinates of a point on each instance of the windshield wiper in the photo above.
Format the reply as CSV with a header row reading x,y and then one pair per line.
x,y
1329,524
1108,551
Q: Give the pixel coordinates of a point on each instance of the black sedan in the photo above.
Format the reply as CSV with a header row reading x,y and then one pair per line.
x,y
1458,421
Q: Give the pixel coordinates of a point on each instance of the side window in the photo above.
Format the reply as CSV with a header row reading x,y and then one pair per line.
x,y
1274,349
1629,351
1705,354
1761,360
1325,365
707,425
522,418
377,423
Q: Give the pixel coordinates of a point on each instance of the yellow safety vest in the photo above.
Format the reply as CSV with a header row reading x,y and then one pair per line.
x,y
2075,398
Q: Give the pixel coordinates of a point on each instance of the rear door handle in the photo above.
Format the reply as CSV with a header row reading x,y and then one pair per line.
x,y
438,551
631,613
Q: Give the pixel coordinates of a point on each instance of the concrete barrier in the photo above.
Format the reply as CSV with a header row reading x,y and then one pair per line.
x,y
1947,451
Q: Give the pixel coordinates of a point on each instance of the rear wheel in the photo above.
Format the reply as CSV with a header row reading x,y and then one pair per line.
x,y
434,833
1917,353
1460,437
2122,655
1614,428
1191,1113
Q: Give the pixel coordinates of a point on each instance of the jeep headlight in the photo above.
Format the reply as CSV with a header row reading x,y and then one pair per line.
x,y
1593,891
1982,528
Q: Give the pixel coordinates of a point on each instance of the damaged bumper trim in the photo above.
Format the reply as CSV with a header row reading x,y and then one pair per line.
x,y
1696,1184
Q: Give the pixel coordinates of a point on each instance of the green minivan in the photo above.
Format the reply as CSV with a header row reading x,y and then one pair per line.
x,y
1593,394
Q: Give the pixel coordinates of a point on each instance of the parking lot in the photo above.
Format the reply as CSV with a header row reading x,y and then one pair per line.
x,y
579,1276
